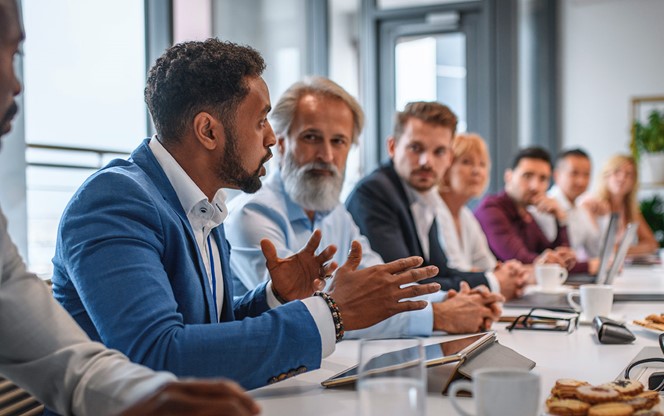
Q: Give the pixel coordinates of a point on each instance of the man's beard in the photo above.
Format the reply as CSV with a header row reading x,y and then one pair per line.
x,y
230,168
310,191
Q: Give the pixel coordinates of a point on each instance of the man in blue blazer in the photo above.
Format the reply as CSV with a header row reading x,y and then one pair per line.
x,y
394,205
142,262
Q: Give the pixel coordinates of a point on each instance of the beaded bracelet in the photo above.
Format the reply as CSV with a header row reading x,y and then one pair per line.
x,y
336,315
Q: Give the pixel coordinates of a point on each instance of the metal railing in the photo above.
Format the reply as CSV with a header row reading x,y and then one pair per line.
x,y
100,156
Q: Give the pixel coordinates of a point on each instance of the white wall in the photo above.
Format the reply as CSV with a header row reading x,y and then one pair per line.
x,y
610,51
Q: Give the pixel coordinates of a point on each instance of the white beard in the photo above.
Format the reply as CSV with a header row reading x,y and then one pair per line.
x,y
311,192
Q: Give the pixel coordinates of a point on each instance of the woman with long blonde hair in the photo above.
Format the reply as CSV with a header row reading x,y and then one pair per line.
x,y
617,192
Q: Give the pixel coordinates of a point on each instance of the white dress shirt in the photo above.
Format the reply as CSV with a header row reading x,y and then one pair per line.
x,y
468,251
423,207
583,236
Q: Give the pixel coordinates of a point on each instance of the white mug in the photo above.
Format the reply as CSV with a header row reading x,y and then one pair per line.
x,y
500,392
550,276
596,300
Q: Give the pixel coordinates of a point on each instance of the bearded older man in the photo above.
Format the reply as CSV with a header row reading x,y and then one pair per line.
x,y
316,123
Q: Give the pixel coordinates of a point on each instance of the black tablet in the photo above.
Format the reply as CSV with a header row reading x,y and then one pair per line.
x,y
436,354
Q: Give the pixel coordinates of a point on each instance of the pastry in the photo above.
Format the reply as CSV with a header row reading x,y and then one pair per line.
x,y
652,397
649,324
638,403
565,388
597,394
611,409
648,413
658,319
625,387
567,407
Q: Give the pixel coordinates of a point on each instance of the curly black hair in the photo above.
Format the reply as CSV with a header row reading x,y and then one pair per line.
x,y
191,77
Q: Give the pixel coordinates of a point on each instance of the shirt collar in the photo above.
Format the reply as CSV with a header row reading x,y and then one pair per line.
x,y
558,194
192,198
426,198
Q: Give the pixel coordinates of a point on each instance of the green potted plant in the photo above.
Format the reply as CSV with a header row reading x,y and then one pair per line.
x,y
648,144
653,212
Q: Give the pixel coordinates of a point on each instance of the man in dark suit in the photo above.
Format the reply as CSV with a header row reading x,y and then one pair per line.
x,y
394,205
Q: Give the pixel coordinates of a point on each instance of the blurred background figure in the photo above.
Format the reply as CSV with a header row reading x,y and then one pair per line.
x,y
616,192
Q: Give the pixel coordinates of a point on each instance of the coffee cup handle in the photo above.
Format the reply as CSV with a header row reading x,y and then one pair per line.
x,y
457,386
570,300
563,276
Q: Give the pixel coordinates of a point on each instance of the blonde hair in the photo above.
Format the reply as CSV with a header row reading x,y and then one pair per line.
x,y
465,144
630,202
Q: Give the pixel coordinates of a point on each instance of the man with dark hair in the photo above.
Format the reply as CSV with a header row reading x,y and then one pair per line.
x,y
316,122
46,353
571,177
510,229
394,206
142,261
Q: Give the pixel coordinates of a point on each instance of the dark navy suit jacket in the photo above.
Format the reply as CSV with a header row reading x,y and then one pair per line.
x,y
379,206
127,268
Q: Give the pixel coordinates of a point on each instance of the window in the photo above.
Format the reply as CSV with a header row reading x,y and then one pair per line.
x,y
84,72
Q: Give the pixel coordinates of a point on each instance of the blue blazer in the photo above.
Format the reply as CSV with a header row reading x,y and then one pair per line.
x,y
379,205
127,268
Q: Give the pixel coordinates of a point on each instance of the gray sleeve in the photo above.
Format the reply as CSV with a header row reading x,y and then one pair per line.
x,y
46,353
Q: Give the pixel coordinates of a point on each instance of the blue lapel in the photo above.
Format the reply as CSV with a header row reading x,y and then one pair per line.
x,y
144,159
219,235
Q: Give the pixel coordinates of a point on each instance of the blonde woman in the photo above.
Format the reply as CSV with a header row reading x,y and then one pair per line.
x,y
616,192
461,235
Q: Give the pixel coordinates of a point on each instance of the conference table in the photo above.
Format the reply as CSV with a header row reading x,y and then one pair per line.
x,y
557,355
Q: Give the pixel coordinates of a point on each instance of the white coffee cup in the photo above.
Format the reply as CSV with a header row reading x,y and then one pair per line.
x,y
550,276
500,392
596,300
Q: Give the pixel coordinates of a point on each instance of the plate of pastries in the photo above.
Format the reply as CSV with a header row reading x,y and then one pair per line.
x,y
571,397
653,323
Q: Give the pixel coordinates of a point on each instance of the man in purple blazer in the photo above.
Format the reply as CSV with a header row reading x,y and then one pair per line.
x,y
510,229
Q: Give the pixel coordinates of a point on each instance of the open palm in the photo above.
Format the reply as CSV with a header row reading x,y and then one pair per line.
x,y
300,275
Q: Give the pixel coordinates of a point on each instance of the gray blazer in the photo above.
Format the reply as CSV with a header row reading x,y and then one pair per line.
x,y
43,350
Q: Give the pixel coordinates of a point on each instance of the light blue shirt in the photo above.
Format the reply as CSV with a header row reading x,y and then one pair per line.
x,y
271,214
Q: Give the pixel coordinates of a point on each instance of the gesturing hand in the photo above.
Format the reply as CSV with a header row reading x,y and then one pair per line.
x,y
303,273
196,398
368,296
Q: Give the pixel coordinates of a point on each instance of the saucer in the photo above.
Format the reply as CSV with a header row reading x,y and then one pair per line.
x,y
584,320
559,289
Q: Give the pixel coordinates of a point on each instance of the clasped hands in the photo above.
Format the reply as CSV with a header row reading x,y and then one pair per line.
x,y
365,296
467,310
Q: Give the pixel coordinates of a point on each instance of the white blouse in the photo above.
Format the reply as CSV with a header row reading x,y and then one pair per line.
x,y
470,250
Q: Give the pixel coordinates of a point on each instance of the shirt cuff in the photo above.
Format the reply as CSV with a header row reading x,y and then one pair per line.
x,y
322,316
494,284
271,300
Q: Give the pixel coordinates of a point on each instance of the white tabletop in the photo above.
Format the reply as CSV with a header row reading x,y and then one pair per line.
x,y
558,355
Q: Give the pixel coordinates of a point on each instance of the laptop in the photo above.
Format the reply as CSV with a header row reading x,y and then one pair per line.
x,y
606,251
559,300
